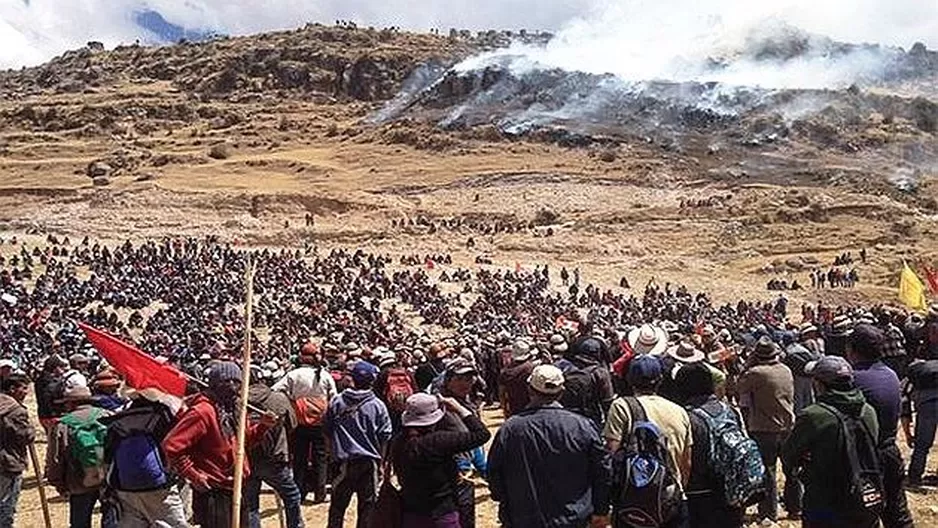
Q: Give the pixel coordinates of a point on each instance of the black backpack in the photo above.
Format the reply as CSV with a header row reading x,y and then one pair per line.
x,y
645,490
863,475
132,447
581,393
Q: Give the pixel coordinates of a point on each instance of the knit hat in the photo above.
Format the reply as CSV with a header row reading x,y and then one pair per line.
x,y
422,410
222,372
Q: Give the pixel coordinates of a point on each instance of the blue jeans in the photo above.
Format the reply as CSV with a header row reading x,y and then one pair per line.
x,y
10,486
280,478
926,422
81,507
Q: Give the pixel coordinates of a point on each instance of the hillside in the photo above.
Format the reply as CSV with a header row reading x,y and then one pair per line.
x,y
246,136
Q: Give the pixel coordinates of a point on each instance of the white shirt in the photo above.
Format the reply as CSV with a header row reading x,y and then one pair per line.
x,y
302,383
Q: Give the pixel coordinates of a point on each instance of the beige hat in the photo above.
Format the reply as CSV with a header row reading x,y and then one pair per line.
x,y
521,351
546,379
648,339
686,352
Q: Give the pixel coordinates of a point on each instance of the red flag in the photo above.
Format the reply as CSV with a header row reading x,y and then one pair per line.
x,y
931,276
140,370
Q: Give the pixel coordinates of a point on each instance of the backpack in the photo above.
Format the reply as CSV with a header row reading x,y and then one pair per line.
x,y
863,476
580,393
397,389
311,409
86,447
646,493
136,462
734,458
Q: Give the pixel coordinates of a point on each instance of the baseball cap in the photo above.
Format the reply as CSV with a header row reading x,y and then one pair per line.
x,y
546,379
644,369
830,370
364,373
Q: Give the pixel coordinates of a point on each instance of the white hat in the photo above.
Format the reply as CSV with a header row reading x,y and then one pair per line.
x,y
546,379
422,410
648,339
8,363
520,351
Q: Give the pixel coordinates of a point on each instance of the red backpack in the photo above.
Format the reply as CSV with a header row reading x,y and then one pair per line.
x,y
399,387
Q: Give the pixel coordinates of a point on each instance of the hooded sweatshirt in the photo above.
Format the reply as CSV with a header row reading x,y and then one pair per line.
x,y
358,425
815,448
17,433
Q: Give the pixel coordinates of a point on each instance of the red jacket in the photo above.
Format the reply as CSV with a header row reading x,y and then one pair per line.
x,y
197,449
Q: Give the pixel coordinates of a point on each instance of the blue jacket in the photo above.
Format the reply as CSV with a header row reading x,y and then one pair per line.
x,y
358,425
548,468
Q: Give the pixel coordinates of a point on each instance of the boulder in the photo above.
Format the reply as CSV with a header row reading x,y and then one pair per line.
x,y
98,168
101,181
220,151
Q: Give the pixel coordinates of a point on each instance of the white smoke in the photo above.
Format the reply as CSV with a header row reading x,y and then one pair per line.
x,y
634,39
681,40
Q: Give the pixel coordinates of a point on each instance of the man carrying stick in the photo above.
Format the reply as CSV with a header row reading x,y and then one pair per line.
x,y
201,447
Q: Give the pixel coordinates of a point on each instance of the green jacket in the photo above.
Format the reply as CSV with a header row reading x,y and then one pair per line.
x,y
814,454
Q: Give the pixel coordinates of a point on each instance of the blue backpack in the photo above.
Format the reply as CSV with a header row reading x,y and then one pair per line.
x,y
133,449
646,491
734,458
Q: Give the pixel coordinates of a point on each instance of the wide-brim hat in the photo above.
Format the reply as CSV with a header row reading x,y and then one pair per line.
x,y
520,351
648,339
807,328
686,352
766,349
933,310
422,410
558,344
842,326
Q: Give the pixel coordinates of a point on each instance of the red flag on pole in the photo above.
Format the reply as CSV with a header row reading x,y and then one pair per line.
x,y
140,370
931,276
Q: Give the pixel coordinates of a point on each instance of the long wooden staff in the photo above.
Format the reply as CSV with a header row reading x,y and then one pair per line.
x,y
42,487
243,402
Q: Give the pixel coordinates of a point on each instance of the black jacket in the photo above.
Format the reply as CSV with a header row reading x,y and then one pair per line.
x,y
426,466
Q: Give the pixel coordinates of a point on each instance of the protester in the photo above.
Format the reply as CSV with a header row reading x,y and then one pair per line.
x,y
816,452
923,389
547,465
645,375
880,387
513,382
766,394
146,490
17,433
310,388
201,446
706,503
46,386
423,457
433,368
587,382
270,456
75,464
359,429
393,386
104,389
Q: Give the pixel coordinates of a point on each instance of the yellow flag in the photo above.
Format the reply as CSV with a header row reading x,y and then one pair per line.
x,y
911,289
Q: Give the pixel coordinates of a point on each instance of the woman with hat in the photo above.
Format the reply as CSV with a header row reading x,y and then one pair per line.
x,y
424,458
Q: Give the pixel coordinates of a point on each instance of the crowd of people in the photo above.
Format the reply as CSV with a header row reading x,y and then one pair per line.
x,y
369,380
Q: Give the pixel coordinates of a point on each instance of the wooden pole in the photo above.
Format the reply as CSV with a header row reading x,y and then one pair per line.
x,y
243,402
41,486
